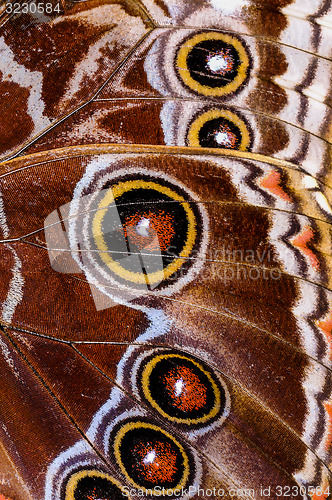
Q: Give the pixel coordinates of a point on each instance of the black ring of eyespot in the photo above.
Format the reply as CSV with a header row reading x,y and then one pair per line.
x,y
214,64
234,131
85,484
175,218
150,457
199,399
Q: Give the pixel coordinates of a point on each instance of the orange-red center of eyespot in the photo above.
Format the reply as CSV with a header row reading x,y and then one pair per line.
x,y
185,389
141,229
157,461
2,497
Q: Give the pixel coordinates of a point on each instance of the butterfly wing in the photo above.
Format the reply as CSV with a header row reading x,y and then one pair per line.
x,y
238,313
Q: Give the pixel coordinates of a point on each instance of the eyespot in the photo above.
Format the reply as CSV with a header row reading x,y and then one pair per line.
x,y
213,63
92,485
146,209
142,231
219,128
182,389
149,457
134,231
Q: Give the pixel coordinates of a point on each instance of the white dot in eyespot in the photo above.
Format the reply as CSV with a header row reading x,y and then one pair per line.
x,y
142,227
223,138
217,63
150,457
178,386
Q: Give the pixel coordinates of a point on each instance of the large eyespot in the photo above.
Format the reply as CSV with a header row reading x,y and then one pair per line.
x,y
154,219
213,64
150,457
182,389
92,485
219,128
137,232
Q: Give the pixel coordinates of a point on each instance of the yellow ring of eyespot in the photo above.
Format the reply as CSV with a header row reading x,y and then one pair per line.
x,y
182,66
145,385
157,276
138,425
72,483
195,127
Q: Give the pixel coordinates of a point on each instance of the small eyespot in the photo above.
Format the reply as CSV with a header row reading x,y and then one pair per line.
x,y
150,457
89,484
219,128
182,389
213,63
